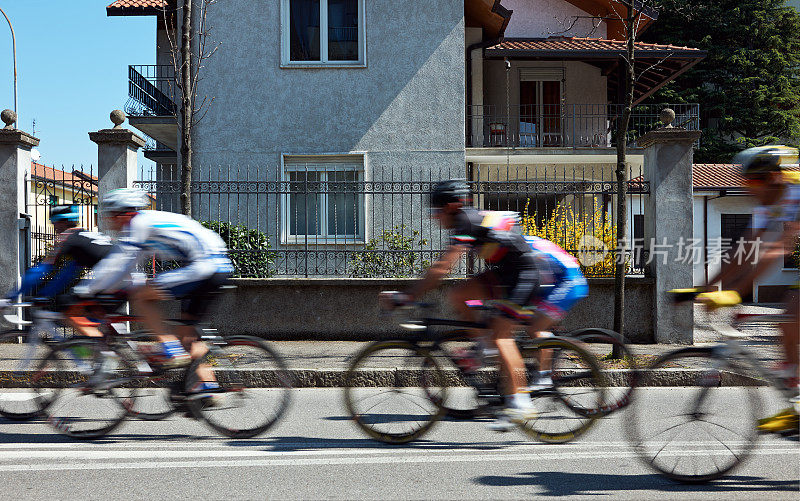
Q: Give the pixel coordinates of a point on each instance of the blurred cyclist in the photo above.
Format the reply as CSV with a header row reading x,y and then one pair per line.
x,y
75,251
531,280
776,223
204,268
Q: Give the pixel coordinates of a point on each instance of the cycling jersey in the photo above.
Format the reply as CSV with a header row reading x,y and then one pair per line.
x,y
76,249
569,284
786,209
167,236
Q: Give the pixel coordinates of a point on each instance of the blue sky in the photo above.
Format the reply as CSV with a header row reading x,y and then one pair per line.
x,y
72,64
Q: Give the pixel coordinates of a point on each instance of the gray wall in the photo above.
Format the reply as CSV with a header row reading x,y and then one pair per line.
x,y
348,309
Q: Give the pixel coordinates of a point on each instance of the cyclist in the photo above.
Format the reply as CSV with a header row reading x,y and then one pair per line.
x,y
776,225
204,268
531,280
75,251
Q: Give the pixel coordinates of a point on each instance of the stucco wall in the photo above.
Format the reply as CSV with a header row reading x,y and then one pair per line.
x,y
348,309
776,275
543,18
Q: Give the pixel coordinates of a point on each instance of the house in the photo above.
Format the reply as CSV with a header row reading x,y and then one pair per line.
x,y
722,212
333,102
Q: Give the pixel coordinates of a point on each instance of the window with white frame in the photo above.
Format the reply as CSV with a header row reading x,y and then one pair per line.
x,y
323,32
325,200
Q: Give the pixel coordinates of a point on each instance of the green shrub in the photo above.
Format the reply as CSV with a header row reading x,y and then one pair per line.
x,y
390,255
796,253
249,249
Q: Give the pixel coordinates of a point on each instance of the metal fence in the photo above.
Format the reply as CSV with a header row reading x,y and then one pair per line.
x,y
49,186
566,125
342,220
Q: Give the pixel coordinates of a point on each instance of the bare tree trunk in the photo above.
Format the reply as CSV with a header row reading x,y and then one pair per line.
x,y
187,108
622,185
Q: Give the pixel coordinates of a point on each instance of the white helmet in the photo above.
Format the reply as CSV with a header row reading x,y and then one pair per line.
x,y
124,200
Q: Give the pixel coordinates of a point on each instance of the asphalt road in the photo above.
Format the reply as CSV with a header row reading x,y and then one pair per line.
x,y
316,452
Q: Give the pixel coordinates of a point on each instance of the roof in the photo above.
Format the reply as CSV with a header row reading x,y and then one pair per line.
x,y
720,176
559,46
136,7
656,64
76,178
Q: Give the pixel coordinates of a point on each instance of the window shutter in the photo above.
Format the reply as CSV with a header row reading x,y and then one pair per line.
x,y
541,74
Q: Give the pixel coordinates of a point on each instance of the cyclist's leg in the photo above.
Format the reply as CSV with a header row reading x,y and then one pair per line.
x,y
479,287
145,300
510,357
791,330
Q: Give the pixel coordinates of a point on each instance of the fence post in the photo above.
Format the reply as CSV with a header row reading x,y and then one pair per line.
x,y
668,156
15,160
117,156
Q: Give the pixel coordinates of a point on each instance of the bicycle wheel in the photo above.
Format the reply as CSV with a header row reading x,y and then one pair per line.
x,y
19,400
619,367
93,383
564,410
254,387
701,431
153,400
394,391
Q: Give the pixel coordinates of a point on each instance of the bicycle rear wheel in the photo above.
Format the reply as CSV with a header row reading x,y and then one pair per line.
x,y
564,411
701,432
93,388
255,387
19,399
394,391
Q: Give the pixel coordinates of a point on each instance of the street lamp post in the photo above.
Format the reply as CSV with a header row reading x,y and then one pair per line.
x,y
14,49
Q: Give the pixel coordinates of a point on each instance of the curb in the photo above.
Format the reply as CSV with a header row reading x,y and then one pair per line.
x,y
335,378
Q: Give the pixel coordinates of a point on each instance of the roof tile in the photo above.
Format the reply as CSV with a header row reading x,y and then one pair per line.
x,y
138,4
719,176
559,43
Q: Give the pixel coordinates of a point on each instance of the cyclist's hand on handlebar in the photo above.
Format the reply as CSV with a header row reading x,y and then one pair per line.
x,y
390,300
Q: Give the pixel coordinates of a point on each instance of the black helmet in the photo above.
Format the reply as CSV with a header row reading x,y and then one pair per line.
x,y
765,159
452,190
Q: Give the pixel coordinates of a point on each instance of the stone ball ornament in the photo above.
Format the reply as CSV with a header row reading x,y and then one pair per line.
x,y
117,118
9,117
667,116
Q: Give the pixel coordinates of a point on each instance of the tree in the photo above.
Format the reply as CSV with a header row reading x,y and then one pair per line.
x,y
188,59
748,86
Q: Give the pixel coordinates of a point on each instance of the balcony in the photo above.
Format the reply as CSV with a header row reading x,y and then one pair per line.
x,y
151,102
566,125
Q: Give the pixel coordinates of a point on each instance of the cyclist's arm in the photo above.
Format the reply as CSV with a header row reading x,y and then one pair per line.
x,y
773,250
109,273
437,271
33,276
61,281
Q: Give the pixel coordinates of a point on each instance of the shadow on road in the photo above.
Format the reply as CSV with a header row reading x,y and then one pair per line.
x,y
584,484
310,443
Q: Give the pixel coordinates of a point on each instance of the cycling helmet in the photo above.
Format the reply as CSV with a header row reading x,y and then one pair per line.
x,y
765,159
452,190
124,200
64,213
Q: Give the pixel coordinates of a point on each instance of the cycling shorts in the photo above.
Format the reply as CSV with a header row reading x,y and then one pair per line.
x,y
561,298
552,301
196,284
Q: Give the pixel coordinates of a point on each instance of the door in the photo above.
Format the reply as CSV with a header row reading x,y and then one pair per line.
x,y
540,107
733,227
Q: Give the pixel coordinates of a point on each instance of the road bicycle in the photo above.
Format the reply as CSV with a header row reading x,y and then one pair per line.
x,y
95,383
397,390
703,436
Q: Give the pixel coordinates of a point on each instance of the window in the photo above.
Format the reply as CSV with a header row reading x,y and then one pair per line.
x,y
323,32
540,94
325,203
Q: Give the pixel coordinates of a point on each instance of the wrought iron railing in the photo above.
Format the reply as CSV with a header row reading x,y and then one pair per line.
x,y
566,125
335,221
151,90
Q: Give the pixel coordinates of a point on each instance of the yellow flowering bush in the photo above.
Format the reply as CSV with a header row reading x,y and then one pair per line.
x,y
588,236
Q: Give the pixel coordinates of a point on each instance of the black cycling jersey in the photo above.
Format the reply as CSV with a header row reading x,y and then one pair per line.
x,y
495,237
85,248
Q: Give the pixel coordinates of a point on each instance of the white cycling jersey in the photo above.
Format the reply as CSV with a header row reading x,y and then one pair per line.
x,y
164,236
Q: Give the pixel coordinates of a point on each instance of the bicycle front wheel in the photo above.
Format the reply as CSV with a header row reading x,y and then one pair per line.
x,y
19,399
254,387
394,391
92,386
565,410
698,432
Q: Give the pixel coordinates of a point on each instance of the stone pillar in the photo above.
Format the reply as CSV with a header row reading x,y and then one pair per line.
x,y
117,155
668,155
15,160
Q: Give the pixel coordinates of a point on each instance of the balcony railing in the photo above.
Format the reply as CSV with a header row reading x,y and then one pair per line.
x,y
566,125
151,90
